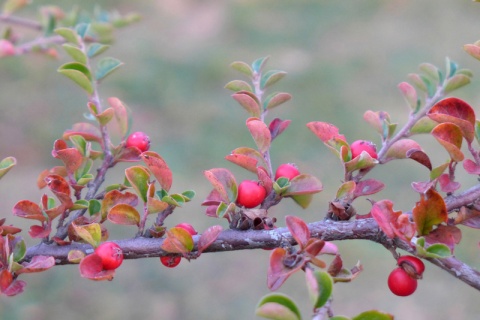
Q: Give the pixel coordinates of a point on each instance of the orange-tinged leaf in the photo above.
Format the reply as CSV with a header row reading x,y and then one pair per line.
x,y
260,134
124,214
455,111
429,212
6,164
248,101
448,235
325,131
90,233
409,93
450,137
247,158
60,187
158,166
392,223
399,149
121,114
299,230
178,240
29,210
303,184
58,170
278,273
71,157
115,197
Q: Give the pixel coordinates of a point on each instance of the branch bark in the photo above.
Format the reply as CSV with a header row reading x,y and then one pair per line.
x,y
232,240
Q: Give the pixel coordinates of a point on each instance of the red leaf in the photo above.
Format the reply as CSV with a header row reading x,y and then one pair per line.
x,y
299,230
40,231
6,279
448,235
265,179
260,134
60,187
124,214
456,111
450,137
87,130
247,158
71,157
224,183
9,286
367,187
91,267
178,240
471,167
429,212
277,126
115,197
59,170
28,210
278,273
121,114
400,149
159,168
304,184
447,185
392,223
208,237
419,156
325,131
37,264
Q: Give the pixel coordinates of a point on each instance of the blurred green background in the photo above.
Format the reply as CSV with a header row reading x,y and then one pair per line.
x,y
342,59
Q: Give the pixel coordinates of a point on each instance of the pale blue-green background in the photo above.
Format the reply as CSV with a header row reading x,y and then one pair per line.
x,y
343,58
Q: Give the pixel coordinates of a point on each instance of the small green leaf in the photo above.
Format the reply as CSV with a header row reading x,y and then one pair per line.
x,y
19,251
138,177
258,64
82,29
96,49
243,68
68,34
340,318
79,73
430,70
90,233
438,251
271,77
80,143
188,195
238,85
80,204
373,315
75,53
94,207
6,164
178,240
320,286
456,82
106,66
278,306
303,200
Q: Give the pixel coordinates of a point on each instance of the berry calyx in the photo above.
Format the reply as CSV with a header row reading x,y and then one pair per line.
x,y
412,265
111,255
363,145
188,227
170,261
250,194
138,139
287,170
401,283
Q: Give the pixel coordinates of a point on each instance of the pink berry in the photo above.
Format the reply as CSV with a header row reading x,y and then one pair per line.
x,y
287,170
250,194
169,261
400,283
363,145
111,255
138,139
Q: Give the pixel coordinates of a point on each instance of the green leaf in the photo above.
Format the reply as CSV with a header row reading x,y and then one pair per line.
x,y
68,34
10,6
438,251
303,200
138,177
456,82
431,71
258,64
90,233
243,68
82,29
188,195
278,306
94,206
79,73
19,251
106,66
178,240
340,318
320,286
6,164
271,77
238,85
373,315
80,143
75,53
80,204
96,49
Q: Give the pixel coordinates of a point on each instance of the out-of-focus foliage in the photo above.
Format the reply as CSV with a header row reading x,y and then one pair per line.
x,y
342,59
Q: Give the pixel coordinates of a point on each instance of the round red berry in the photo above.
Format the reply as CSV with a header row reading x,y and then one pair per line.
x,y
170,261
188,227
412,265
363,145
287,170
400,283
250,194
111,255
138,139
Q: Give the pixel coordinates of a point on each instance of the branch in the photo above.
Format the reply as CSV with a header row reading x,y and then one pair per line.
x,y
232,240
31,24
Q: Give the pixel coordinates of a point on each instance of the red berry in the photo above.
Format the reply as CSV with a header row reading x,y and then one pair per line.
x,y
138,139
188,227
250,194
363,145
287,170
400,283
111,255
412,265
170,261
